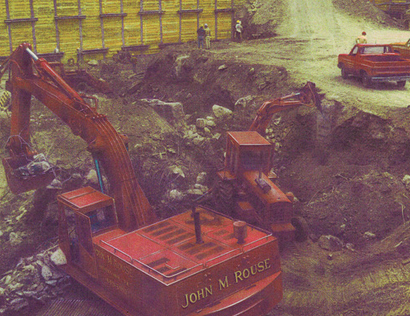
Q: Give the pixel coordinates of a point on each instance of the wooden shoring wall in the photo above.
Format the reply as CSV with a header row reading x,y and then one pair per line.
x,y
95,29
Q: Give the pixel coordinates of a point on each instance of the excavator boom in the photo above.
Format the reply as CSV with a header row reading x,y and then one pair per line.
x,y
105,144
308,96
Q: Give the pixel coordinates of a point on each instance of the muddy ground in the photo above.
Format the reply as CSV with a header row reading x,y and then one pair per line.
x,y
345,167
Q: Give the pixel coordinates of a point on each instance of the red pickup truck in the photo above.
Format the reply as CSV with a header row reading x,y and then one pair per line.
x,y
375,63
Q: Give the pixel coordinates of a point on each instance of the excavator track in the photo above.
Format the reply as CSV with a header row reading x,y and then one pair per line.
x,y
77,307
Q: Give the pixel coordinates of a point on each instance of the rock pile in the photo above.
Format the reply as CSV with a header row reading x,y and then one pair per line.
x,y
34,280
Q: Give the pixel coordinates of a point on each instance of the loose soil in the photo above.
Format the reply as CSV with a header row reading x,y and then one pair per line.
x,y
344,166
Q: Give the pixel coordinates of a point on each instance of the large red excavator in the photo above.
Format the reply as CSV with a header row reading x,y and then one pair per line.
x,y
197,263
244,188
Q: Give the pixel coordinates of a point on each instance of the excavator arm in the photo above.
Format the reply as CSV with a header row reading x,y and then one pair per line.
x,y
106,145
308,96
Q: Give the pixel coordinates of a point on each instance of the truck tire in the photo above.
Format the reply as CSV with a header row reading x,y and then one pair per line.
x,y
302,228
401,84
366,80
345,75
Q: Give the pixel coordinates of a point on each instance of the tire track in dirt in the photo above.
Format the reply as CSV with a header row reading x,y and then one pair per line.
x,y
315,285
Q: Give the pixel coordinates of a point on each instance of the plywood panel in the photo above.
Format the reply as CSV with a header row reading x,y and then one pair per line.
x,y
189,27
66,7
45,29
132,34
189,4
21,32
224,25
113,33
69,37
91,25
151,5
170,22
19,9
151,29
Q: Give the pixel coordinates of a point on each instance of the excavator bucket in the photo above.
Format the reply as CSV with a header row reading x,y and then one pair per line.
x,y
312,98
20,179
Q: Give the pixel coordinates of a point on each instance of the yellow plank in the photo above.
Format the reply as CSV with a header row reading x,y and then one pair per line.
x,y
66,7
45,29
21,32
131,23
189,27
113,33
91,26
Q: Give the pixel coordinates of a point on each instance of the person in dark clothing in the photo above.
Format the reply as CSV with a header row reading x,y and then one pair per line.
x,y
201,35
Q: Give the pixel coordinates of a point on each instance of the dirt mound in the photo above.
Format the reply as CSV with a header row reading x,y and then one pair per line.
x,y
199,79
365,9
352,184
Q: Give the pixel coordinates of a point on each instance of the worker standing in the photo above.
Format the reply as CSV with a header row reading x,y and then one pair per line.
x,y
201,36
207,36
361,39
238,31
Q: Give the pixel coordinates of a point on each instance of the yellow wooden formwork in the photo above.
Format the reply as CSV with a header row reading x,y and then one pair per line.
x,y
45,30
69,31
99,29
132,30
170,22
91,26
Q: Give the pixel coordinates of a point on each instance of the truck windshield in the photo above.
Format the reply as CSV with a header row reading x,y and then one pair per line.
x,y
376,50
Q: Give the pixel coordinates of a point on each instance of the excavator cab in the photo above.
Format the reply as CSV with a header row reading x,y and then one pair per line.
x,y
247,151
84,214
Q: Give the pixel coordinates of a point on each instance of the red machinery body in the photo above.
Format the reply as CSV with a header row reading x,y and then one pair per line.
x,y
195,263
106,145
248,169
161,269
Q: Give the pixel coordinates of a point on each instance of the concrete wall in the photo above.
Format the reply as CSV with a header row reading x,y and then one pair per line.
x,y
98,28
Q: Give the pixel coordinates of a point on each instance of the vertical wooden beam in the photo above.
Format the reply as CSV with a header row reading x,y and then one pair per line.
x,y
80,25
160,22
232,18
102,25
122,22
180,22
56,24
33,26
142,22
9,26
197,15
216,19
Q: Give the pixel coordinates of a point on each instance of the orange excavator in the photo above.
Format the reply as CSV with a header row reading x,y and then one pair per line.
x,y
199,262
244,187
